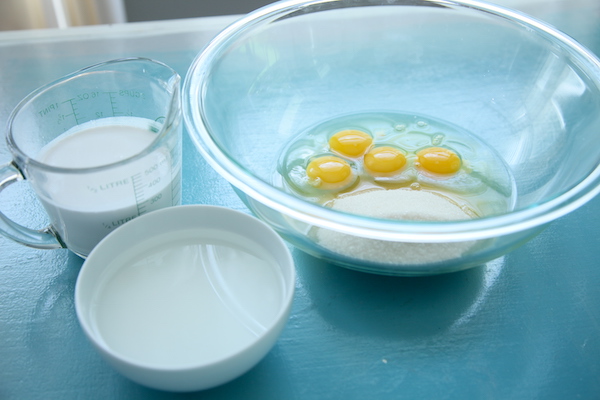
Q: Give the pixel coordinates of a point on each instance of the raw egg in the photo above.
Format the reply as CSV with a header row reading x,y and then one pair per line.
x,y
384,160
350,143
439,160
330,172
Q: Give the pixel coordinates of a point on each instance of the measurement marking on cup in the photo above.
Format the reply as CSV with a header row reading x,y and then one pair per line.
x,y
113,103
48,109
74,113
138,191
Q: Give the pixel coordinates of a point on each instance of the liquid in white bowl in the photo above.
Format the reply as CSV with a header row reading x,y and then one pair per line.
x,y
194,299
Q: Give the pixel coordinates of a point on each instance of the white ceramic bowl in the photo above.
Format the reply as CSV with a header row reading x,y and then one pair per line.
x,y
186,298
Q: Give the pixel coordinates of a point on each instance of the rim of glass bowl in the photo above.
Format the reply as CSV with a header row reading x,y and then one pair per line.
x,y
314,214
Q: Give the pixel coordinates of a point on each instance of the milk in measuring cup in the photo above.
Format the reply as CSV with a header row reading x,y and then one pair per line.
x,y
90,204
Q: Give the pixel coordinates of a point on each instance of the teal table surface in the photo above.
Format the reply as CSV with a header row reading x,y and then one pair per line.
x,y
524,326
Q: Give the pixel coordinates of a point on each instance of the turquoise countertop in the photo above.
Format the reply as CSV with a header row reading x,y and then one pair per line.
x,y
524,326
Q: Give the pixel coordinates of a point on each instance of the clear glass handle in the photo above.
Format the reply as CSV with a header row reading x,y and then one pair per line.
x,y
39,239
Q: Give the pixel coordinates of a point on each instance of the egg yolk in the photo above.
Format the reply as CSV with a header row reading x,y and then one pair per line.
x,y
384,159
350,143
329,171
439,160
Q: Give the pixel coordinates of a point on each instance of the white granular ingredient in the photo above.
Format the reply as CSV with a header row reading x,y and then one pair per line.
x,y
406,204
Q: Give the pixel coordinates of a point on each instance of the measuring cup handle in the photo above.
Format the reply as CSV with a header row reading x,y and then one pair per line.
x,y
39,239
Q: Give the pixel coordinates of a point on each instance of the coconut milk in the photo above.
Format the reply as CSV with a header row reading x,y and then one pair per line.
x,y
86,206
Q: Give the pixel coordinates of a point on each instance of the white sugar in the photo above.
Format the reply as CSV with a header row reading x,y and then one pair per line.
x,y
417,205
399,204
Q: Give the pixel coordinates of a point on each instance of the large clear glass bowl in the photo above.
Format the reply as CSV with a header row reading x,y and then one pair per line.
x,y
528,91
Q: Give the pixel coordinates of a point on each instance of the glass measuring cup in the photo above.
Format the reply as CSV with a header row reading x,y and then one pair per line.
x,y
99,147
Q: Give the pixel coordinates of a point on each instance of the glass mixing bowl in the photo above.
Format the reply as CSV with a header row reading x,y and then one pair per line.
x,y
531,93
